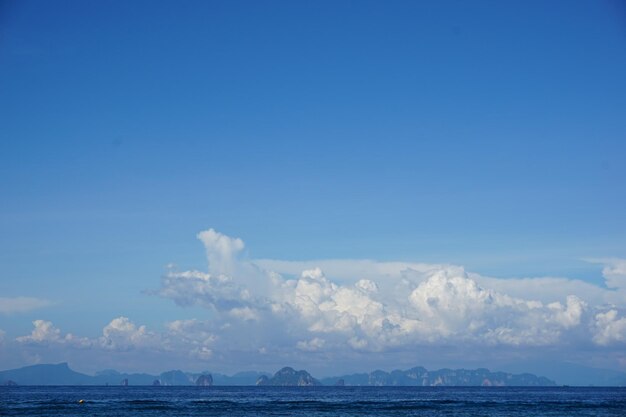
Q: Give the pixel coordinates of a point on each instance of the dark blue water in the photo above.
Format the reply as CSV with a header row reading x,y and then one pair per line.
x,y
317,401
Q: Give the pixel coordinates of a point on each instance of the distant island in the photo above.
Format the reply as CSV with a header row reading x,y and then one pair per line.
x,y
61,374
421,377
289,377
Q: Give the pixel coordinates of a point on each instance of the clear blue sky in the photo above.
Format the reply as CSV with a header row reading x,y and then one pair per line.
x,y
485,134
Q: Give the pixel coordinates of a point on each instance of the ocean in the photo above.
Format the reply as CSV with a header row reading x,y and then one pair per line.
x,y
138,401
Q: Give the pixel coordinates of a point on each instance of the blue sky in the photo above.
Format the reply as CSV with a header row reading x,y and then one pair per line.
x,y
490,136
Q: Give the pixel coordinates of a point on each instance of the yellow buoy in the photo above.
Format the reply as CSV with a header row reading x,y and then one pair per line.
x,y
81,401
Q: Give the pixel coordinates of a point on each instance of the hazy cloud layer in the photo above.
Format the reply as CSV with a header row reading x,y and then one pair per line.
x,y
21,304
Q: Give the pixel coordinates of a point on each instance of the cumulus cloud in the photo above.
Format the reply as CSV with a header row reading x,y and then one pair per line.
x,y
609,328
222,251
123,334
373,306
186,338
614,273
21,304
44,332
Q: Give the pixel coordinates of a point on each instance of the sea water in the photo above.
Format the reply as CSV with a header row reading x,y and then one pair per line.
x,y
311,401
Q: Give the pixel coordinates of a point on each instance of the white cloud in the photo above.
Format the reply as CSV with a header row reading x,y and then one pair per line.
x,y
444,307
544,289
21,304
44,332
569,315
326,307
123,334
374,306
192,338
222,251
609,328
614,272
123,345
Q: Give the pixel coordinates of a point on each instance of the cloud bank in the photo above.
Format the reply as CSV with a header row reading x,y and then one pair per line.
x,y
330,309
373,306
